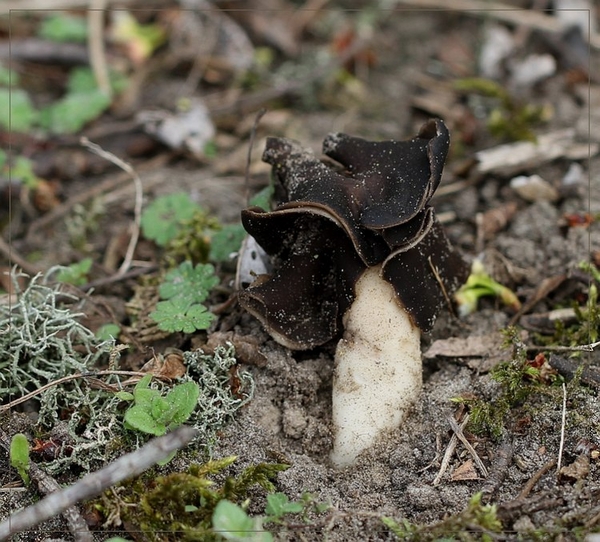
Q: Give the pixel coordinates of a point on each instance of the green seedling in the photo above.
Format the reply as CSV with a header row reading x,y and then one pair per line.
x,y
162,219
156,414
20,169
480,284
76,273
62,27
19,456
231,522
141,40
183,291
507,119
475,518
108,332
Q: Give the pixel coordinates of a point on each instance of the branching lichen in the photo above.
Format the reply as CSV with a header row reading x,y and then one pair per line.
x,y
40,340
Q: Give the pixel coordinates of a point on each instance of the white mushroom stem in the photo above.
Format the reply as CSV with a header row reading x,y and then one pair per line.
x,y
378,372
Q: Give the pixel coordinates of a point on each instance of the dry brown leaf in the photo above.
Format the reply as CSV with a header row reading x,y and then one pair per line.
x,y
466,471
482,352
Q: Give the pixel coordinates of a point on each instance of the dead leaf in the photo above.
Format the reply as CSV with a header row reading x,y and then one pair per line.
x,y
168,366
578,470
482,352
466,471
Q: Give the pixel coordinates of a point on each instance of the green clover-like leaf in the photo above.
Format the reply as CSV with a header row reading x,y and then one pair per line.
x,y
189,282
178,314
161,221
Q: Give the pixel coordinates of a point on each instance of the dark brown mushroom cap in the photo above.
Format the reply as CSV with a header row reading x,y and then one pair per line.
x,y
332,226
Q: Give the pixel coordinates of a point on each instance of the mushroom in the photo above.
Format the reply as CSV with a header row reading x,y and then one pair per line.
x,y
359,257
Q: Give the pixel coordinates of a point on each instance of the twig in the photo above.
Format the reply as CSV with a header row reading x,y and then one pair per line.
x,y
64,379
458,431
94,483
448,454
535,479
46,484
562,428
96,190
259,116
139,193
14,258
95,18
499,468
499,11
577,348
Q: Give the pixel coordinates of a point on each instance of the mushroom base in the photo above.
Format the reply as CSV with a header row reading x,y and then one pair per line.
x,y
378,370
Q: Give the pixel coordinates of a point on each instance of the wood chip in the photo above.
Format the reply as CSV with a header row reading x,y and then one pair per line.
x,y
466,471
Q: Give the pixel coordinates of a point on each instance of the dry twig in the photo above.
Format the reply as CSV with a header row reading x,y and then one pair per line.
x,y
93,484
139,193
499,11
562,429
458,431
448,454
95,17
64,379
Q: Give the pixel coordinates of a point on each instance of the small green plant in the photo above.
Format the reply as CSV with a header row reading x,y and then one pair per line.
x,y
480,284
183,505
231,522
20,169
76,273
156,414
19,456
162,220
476,522
62,27
507,118
183,291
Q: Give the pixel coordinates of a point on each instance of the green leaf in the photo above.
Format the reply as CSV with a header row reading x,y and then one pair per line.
x,y
263,198
137,417
76,273
189,282
108,332
16,110
185,398
125,396
64,27
19,456
233,523
8,77
22,170
161,221
225,242
278,505
178,314
74,111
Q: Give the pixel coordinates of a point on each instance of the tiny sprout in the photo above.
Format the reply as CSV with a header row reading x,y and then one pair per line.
x,y
480,284
19,456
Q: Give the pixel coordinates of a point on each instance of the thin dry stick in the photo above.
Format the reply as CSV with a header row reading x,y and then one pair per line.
x,y
95,483
98,63
94,191
259,116
578,348
14,258
64,379
562,429
46,484
448,454
535,479
459,433
139,193
498,11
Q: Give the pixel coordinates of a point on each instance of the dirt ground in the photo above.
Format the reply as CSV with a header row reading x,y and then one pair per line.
x,y
416,55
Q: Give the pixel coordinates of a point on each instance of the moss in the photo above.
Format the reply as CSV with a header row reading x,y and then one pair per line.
x,y
180,506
